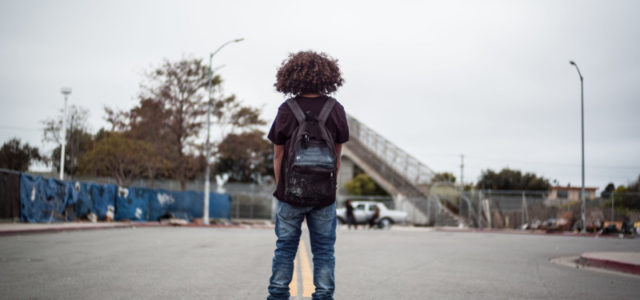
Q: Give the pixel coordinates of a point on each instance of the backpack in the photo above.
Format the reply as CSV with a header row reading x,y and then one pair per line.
x,y
311,162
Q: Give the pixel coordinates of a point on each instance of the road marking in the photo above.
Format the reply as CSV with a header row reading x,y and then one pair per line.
x,y
293,286
302,273
307,275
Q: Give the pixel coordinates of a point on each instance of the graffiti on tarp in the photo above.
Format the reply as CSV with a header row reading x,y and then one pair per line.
x,y
165,199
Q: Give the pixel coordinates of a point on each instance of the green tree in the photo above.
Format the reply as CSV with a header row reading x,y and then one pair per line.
x,y
17,156
363,185
627,197
508,179
444,177
117,156
245,157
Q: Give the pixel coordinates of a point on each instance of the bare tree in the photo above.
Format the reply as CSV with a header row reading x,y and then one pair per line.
x,y
179,89
79,139
172,108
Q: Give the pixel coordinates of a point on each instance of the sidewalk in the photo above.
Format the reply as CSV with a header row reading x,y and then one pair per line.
x,y
27,228
627,262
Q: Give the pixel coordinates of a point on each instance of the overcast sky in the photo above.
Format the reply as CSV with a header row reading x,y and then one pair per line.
x,y
487,79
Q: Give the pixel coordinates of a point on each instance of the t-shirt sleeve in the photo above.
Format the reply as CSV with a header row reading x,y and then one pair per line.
x,y
282,126
342,127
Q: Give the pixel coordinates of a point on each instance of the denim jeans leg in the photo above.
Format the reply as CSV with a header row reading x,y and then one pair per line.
x,y
288,222
322,231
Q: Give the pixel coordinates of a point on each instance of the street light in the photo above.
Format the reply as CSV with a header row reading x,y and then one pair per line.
x,y
584,224
66,91
205,215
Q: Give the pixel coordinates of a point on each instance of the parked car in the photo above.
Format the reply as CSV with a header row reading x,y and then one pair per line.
x,y
363,210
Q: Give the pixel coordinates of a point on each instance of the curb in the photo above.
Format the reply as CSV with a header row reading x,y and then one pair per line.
x,y
620,266
78,228
123,226
527,232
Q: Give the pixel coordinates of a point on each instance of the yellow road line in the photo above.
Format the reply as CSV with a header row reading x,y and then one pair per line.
x,y
293,286
302,262
307,275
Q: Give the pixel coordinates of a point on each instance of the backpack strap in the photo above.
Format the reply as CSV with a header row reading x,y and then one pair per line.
x,y
296,110
326,110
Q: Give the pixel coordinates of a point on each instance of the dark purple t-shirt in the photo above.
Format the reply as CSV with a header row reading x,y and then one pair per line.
x,y
285,123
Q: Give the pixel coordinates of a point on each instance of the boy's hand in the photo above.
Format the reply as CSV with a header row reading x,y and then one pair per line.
x,y
278,154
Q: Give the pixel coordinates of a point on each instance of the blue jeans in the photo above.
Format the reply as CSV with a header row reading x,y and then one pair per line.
x,y
322,232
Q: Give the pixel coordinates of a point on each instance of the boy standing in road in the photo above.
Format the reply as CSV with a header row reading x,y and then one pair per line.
x,y
311,113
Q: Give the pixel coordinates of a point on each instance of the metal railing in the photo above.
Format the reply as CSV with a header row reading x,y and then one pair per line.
x,y
407,174
402,162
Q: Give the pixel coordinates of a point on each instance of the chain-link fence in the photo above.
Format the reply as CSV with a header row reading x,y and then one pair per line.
x,y
246,205
538,209
445,206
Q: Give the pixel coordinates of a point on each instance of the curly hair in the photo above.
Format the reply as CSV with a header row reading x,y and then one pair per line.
x,y
308,72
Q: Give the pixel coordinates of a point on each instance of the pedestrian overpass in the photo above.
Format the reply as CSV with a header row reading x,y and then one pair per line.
x,y
404,177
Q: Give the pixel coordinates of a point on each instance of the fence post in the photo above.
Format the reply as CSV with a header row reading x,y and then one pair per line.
x,y
469,208
237,207
613,199
487,208
480,209
522,211
429,199
437,212
251,210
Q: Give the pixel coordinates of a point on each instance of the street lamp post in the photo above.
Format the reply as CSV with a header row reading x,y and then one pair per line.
x,y
66,91
207,184
582,200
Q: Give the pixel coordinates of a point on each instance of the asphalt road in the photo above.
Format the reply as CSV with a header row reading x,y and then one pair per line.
x,y
205,263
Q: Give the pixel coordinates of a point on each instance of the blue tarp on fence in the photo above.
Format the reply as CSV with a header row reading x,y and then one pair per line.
x,y
220,206
81,199
42,200
45,200
159,205
104,197
186,203
191,203
133,203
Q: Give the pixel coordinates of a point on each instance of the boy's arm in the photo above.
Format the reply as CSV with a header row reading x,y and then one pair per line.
x,y
278,153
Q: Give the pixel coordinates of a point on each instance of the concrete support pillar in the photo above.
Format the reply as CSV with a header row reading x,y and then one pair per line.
x,y
345,174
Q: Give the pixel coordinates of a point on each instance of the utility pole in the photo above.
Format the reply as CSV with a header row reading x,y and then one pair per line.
x,y
584,225
66,91
207,187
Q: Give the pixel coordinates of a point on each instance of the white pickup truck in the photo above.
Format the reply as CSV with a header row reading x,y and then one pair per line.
x,y
363,210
